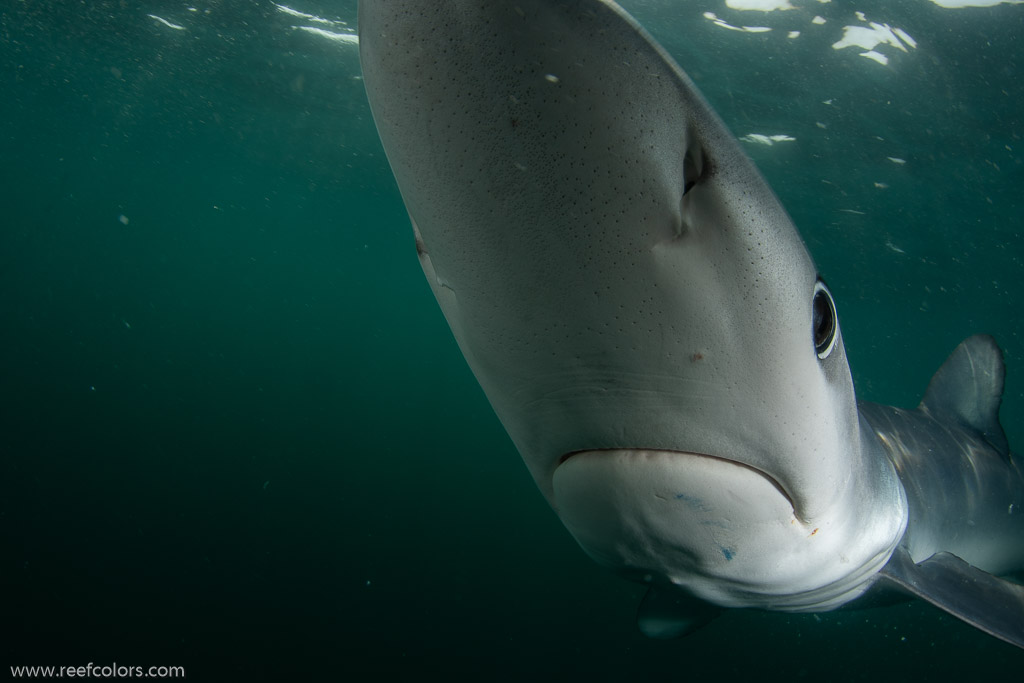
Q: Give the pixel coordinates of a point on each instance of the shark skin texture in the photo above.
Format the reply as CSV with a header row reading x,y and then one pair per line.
x,y
655,338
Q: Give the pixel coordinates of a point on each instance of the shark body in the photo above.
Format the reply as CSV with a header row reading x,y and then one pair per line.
x,y
655,338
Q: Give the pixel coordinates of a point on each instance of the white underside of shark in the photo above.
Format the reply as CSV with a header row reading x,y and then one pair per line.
x,y
654,336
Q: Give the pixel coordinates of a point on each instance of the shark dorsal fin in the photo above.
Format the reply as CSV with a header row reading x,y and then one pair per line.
x,y
968,388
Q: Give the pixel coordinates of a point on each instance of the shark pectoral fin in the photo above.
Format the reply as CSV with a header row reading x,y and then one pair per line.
x,y
994,605
968,388
668,614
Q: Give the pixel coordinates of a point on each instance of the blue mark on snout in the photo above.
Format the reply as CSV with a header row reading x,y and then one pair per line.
x,y
694,502
727,552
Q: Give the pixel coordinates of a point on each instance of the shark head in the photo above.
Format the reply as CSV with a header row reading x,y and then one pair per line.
x,y
635,302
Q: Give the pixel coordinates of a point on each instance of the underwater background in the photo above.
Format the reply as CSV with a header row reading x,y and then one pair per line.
x,y
236,434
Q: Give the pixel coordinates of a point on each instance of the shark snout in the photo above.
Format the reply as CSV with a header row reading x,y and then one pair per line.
x,y
670,515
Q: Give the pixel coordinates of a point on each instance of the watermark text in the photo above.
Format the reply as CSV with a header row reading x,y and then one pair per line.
x,y
91,670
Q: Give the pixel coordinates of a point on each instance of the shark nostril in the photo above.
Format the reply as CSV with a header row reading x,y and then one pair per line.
x,y
693,164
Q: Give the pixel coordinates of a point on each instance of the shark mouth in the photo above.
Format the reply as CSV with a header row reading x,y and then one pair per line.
x,y
675,516
646,454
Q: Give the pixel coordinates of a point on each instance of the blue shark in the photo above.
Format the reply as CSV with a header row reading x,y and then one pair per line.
x,y
655,338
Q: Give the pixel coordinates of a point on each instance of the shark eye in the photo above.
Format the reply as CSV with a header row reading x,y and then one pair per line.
x,y
823,320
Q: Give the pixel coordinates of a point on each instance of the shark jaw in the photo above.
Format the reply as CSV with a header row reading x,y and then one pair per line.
x,y
716,529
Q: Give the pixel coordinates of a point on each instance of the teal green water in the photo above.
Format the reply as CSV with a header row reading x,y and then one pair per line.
x,y
236,435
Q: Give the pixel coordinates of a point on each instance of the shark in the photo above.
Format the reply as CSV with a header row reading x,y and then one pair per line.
x,y
654,336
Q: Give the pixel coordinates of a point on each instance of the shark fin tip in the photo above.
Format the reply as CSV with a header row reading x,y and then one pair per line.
x,y
968,388
666,614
